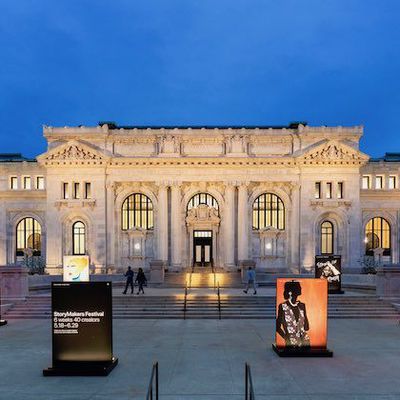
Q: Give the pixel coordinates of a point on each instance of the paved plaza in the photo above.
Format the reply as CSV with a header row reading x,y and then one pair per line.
x,y
204,359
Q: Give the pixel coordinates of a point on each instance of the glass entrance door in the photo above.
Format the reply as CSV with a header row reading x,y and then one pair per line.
x,y
202,248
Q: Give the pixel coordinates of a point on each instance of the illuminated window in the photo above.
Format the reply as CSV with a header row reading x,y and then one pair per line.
x,y
29,237
65,190
329,190
27,182
340,193
327,237
78,238
137,212
268,211
392,182
14,182
202,234
379,182
40,182
202,198
366,182
88,190
377,235
317,193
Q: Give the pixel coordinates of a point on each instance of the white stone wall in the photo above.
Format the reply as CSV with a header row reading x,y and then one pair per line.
x,y
170,166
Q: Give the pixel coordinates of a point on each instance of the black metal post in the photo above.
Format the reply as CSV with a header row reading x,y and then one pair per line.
x,y
219,304
157,380
2,321
184,303
246,379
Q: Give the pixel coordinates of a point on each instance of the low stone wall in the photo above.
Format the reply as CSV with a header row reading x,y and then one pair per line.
x,y
13,283
40,282
367,281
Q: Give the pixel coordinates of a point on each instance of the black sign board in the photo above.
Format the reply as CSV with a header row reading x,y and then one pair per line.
x,y
329,267
82,329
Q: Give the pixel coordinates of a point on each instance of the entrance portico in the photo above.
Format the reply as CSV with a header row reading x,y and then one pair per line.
x,y
203,229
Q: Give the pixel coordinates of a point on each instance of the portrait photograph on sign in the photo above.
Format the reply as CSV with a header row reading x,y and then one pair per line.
x,y
301,316
76,269
329,268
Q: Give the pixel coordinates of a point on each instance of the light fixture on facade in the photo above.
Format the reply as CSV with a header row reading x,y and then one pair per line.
x,y
268,246
137,246
365,240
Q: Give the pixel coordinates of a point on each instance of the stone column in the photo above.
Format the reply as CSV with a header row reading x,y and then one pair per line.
x,y
294,228
176,226
229,223
243,223
163,222
110,227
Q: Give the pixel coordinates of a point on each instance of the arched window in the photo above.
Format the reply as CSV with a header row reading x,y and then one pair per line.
x,y
377,235
29,237
268,211
327,237
202,198
137,212
78,238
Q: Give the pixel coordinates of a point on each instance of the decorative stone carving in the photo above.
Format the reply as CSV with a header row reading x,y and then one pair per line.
x,y
202,214
169,145
136,243
74,203
330,204
74,152
272,243
333,151
236,145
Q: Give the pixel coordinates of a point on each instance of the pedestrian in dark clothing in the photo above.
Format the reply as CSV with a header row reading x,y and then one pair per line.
x,y
129,280
141,280
251,280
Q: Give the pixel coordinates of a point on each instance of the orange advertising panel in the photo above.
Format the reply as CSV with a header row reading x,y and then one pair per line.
x,y
302,313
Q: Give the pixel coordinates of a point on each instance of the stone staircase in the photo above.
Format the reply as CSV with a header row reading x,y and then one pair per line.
x,y
206,307
202,278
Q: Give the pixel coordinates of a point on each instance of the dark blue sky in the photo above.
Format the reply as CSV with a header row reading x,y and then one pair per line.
x,y
66,62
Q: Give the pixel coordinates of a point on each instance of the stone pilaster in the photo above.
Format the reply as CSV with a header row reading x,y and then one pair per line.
x,y
229,224
162,217
176,226
243,223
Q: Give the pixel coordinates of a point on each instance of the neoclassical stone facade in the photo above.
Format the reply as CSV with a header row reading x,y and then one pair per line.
x,y
130,195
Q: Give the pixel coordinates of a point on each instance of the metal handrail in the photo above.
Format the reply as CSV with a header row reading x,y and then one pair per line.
x,y
219,303
249,390
213,271
2,321
185,303
154,376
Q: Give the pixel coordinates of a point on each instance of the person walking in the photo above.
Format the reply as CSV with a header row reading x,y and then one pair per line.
x,y
129,280
141,280
251,280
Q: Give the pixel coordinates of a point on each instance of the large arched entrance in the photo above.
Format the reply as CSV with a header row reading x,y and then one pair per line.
x,y
202,219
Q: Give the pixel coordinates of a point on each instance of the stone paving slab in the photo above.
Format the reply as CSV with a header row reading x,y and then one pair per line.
x,y
204,359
